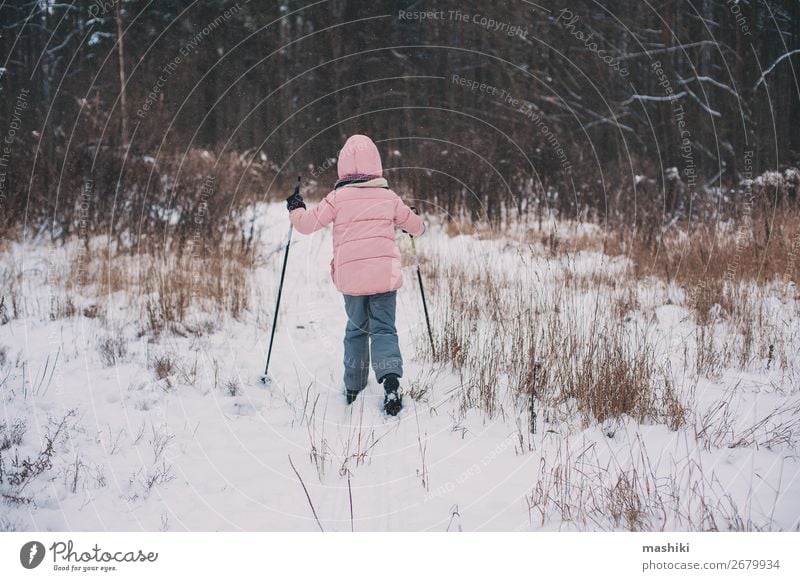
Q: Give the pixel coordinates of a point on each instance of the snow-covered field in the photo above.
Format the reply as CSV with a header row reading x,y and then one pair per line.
x,y
177,433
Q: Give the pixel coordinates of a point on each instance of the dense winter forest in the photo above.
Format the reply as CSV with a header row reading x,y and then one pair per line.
x,y
482,106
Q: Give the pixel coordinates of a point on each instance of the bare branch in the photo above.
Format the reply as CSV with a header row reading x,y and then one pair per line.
x,y
311,504
773,65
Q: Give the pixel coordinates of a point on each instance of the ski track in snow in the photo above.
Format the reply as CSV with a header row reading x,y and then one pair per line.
x,y
228,456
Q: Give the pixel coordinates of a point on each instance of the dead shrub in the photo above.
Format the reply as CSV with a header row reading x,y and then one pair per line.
x,y
625,504
614,378
675,411
163,367
113,349
22,471
11,434
232,387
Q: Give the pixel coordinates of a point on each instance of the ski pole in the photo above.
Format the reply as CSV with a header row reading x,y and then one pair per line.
x,y
280,291
422,292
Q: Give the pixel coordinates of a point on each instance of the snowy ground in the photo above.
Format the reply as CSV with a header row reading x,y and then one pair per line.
x,y
183,453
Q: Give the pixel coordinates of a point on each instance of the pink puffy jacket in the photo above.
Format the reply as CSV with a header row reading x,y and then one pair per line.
x,y
366,259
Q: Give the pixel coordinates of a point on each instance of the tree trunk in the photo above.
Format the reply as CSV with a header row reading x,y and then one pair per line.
x,y
121,52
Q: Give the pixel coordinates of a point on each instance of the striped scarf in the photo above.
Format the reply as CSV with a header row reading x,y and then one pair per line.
x,y
362,181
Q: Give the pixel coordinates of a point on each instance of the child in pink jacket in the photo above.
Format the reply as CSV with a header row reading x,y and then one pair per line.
x,y
366,263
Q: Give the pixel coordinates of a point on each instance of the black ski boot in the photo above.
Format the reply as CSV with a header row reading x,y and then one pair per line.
x,y
392,401
350,396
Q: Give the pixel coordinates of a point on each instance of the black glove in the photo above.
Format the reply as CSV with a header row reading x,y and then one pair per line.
x,y
295,201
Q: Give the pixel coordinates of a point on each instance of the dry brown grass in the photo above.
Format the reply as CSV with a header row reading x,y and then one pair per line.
x,y
723,426
498,329
178,294
677,413
583,490
613,378
707,261
759,244
726,274
553,342
530,328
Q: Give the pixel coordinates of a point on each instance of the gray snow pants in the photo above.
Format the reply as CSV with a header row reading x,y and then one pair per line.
x,y
370,323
